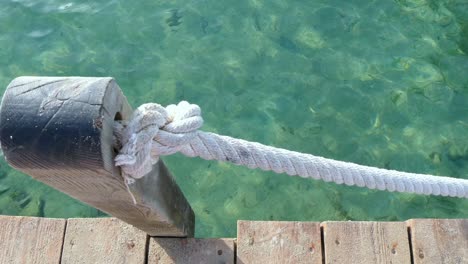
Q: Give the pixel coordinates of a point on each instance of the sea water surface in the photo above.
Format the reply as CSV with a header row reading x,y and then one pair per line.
x,y
379,83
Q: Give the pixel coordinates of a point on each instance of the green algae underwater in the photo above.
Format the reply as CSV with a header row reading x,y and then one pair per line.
x,y
378,83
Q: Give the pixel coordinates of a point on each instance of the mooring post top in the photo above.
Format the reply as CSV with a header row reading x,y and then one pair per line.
x,y
60,122
59,130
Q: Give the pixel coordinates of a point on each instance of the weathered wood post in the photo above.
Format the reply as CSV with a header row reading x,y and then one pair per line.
x,y
59,130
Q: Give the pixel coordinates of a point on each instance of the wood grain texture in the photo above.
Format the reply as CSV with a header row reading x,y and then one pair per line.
x,y
191,250
366,242
30,239
278,242
103,240
59,130
439,241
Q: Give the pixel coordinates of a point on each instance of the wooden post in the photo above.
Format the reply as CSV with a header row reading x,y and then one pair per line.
x,y
59,130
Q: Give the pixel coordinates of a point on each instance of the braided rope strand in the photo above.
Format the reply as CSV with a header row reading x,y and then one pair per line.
x,y
154,131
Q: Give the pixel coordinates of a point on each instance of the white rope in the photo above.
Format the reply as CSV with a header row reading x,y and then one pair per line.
x,y
154,131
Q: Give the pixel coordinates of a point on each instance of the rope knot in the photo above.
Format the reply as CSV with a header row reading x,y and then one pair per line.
x,y
154,131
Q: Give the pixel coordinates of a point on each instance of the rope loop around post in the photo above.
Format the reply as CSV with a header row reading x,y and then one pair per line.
x,y
154,131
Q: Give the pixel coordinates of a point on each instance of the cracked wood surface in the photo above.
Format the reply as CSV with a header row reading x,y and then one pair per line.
x,y
59,130
366,242
103,240
439,240
278,242
25,240
191,250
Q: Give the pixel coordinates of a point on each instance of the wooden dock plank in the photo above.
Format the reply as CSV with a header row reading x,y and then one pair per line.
x,y
109,240
190,250
278,242
439,240
103,240
366,242
31,239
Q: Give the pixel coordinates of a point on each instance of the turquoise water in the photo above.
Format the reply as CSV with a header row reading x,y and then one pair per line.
x,y
380,83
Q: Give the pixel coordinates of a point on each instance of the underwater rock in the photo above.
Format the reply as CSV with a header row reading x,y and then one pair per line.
x,y
24,202
174,20
435,157
438,93
310,38
249,199
210,25
231,207
344,66
288,44
20,197
422,73
453,68
39,33
399,97
309,129
40,206
4,188
330,143
458,152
